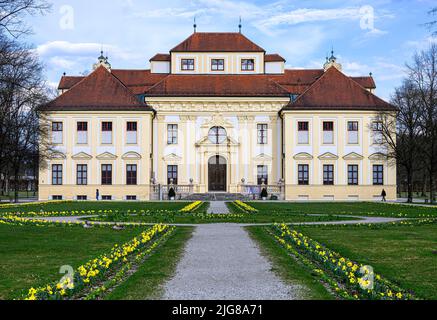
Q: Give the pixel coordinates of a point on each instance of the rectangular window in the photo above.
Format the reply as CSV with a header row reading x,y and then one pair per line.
x,y
263,175
262,133
106,198
378,175
57,197
57,174
131,198
172,134
303,133
106,132
187,64
328,174
57,129
131,174
82,132
106,174
377,131
352,130
82,198
352,174
82,174
303,174
217,64
328,132
172,174
247,64
131,134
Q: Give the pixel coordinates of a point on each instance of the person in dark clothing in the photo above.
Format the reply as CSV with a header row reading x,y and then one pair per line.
x,y
383,195
97,194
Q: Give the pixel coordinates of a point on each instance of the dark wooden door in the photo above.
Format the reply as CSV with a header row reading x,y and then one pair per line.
x,y
217,174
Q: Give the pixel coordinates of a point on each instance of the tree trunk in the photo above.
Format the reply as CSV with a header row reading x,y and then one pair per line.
x,y
16,184
409,185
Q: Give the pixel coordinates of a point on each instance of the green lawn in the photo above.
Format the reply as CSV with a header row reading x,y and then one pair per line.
x,y
406,255
31,256
200,218
147,282
287,268
122,206
344,208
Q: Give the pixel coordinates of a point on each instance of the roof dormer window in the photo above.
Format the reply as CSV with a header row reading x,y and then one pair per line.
x,y
217,64
247,64
187,64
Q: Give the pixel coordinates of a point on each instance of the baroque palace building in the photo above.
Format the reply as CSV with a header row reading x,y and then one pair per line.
x,y
216,114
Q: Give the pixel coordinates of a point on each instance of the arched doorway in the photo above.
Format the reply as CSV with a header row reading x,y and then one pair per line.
x,y
217,173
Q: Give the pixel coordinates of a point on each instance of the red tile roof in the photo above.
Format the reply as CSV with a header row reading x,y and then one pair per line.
x,y
101,90
68,81
336,91
273,58
218,85
161,57
138,81
217,42
366,82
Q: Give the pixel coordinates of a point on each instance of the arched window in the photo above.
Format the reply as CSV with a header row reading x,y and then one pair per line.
x,y
217,135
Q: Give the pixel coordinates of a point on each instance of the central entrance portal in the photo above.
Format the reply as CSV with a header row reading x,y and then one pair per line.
x,y
217,174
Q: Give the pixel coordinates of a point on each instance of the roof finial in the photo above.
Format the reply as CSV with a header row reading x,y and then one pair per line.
x,y
239,25
371,74
195,25
332,61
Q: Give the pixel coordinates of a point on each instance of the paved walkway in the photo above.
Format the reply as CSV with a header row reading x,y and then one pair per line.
x,y
217,207
221,262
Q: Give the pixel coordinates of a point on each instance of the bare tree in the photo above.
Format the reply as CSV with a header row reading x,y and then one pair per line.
x,y
400,133
12,13
22,90
433,23
423,75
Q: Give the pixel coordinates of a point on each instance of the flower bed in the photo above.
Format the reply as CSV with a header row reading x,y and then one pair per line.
x,y
244,207
348,279
27,204
89,275
191,207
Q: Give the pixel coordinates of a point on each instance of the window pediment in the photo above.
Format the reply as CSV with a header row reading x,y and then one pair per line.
x,y
58,156
82,156
303,156
328,156
172,158
353,156
131,156
106,156
378,156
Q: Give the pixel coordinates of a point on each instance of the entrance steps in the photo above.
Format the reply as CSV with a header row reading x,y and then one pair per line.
x,y
215,197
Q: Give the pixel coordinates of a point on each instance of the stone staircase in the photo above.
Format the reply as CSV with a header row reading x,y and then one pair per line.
x,y
216,197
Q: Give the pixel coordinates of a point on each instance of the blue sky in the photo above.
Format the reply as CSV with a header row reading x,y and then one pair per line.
x,y
377,36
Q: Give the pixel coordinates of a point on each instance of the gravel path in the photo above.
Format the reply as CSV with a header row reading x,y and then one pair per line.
x,y
221,262
218,207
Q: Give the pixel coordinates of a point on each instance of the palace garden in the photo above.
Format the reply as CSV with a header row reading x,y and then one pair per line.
x,y
131,250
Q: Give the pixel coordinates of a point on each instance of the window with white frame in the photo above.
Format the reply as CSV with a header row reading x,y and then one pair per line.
x,y
378,175
187,64
303,174
328,132
131,132
57,174
328,174
262,174
352,174
377,132
262,133
82,174
303,133
217,64
107,132
352,131
57,130
172,134
82,132
247,64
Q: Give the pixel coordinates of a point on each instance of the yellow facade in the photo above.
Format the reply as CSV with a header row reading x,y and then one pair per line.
x,y
240,151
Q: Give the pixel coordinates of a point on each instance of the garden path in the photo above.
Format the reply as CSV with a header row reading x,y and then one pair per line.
x,y
221,262
216,207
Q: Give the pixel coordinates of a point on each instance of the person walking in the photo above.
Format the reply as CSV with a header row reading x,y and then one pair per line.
x,y
97,194
383,195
